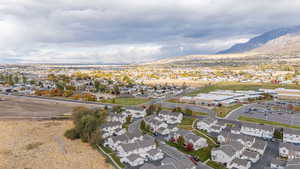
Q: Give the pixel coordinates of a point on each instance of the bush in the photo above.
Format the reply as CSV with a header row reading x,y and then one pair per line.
x,y
72,134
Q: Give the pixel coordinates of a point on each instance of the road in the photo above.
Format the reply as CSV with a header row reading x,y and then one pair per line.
x,y
195,108
270,153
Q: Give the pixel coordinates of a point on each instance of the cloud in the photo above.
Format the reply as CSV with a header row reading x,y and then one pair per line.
x,y
132,30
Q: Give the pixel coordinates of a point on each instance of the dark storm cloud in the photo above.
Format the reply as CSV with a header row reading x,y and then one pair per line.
x,y
133,30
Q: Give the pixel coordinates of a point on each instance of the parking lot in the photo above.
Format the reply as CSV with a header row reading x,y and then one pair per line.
x,y
271,111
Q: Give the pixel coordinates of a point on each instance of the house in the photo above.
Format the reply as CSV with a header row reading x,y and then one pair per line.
x,y
257,130
115,117
259,146
178,163
111,128
137,113
171,117
189,137
140,147
250,155
155,154
206,124
278,164
133,160
239,163
226,137
236,129
226,153
128,137
293,164
154,123
291,136
289,150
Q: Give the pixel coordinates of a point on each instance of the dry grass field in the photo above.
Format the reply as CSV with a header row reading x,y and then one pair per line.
x,y
26,144
12,106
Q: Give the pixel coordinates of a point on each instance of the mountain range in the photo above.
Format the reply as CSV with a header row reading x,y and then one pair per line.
x,y
260,40
279,43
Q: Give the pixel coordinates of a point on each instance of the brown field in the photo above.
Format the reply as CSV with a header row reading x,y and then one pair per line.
x,y
12,106
26,144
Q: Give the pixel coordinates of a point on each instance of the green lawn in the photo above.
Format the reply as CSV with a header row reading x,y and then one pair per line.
x,y
240,86
186,123
260,121
215,165
126,101
224,110
203,154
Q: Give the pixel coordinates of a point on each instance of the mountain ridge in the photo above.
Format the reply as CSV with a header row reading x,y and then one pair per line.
x,y
260,40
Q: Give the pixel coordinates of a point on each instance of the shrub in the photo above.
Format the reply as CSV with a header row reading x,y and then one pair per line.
x,y
72,134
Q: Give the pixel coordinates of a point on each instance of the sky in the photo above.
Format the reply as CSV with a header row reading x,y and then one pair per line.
x,y
132,31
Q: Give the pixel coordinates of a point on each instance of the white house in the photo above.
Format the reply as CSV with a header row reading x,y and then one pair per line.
x,y
114,141
291,136
189,137
239,163
259,146
206,124
278,164
289,150
262,131
155,154
114,117
250,155
171,117
133,160
226,153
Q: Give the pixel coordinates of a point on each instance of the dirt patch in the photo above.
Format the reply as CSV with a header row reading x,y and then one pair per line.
x,y
41,145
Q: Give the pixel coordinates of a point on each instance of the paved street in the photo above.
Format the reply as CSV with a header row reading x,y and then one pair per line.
x,y
195,108
270,153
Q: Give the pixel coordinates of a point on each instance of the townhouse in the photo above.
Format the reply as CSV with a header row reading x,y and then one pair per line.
x,y
140,151
112,128
289,150
259,146
125,138
257,130
210,125
226,137
278,164
239,163
291,136
250,155
226,153
171,117
189,138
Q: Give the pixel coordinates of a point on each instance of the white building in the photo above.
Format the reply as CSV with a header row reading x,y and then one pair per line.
x,y
291,136
257,130
289,151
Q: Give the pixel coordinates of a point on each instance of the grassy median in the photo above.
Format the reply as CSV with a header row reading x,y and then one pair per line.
x,y
224,110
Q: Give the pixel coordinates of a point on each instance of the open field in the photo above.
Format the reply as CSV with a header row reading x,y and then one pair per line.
x,y
41,145
22,107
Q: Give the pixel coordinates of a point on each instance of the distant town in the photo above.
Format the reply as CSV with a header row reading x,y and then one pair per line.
x,y
165,118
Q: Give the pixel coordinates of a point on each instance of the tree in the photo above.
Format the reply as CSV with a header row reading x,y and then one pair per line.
x,y
117,109
190,147
128,119
180,141
143,125
177,109
188,112
150,110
